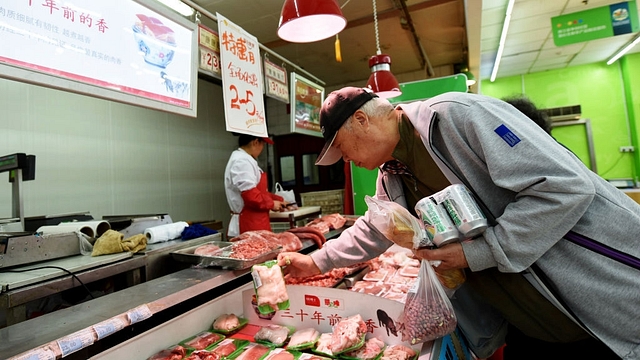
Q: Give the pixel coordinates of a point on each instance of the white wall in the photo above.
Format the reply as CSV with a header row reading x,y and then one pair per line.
x,y
110,158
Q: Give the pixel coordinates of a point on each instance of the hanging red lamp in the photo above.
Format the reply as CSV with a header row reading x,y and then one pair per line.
x,y
382,82
303,21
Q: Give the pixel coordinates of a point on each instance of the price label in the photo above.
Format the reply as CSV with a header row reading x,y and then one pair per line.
x,y
75,342
109,327
38,354
138,314
209,60
277,89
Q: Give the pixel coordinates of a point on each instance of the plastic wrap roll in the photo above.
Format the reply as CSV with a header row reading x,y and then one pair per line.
x,y
165,232
55,229
99,227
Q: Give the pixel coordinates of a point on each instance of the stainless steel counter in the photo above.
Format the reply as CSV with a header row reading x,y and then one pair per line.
x,y
162,298
158,295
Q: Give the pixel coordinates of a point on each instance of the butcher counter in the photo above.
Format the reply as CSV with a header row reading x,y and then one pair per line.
x,y
151,303
23,284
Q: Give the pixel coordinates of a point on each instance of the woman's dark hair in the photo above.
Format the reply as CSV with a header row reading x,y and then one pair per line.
x,y
527,107
244,139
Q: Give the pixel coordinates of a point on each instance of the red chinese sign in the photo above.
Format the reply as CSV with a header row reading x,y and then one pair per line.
x,y
241,79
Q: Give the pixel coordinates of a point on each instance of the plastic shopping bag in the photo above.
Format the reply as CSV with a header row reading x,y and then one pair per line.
x,y
428,313
289,197
396,223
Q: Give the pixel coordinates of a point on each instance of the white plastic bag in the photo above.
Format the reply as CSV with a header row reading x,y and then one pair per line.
x,y
288,195
396,223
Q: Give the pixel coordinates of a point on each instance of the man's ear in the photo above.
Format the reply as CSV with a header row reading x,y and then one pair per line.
x,y
361,118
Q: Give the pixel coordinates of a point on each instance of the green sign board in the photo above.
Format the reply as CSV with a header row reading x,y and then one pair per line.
x,y
596,23
425,89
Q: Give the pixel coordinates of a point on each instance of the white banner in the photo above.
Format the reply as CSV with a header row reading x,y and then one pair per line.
x,y
118,45
241,79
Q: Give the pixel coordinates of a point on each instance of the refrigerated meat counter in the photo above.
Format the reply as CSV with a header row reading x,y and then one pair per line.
x,y
144,306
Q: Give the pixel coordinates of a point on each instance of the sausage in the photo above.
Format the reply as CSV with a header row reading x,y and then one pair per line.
x,y
308,229
304,233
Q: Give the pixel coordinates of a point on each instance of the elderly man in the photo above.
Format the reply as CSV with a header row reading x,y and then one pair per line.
x,y
533,264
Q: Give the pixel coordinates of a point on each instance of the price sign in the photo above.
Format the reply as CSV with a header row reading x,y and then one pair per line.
x,y
138,314
241,80
209,61
277,89
75,342
209,43
276,80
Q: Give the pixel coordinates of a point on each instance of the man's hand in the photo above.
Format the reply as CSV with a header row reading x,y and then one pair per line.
x,y
451,256
297,265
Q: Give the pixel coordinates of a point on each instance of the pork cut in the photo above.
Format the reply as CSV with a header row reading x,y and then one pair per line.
x,y
272,333
203,340
206,250
175,353
347,333
226,322
270,286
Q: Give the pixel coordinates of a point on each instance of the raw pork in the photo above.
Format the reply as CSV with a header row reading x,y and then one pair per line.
x,y
206,250
203,355
289,241
203,340
371,349
303,337
175,353
270,288
226,322
398,352
275,334
324,344
347,333
280,354
225,348
253,352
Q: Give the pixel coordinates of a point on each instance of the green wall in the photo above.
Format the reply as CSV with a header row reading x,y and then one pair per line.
x,y
608,97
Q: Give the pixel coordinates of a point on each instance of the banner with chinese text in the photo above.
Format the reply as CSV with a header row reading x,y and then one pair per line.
x,y
596,23
241,80
117,45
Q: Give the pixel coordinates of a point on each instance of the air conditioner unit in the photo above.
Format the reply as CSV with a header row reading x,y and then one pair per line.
x,y
564,113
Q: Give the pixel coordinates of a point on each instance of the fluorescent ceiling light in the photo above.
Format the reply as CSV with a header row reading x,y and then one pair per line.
x,y
624,49
503,39
178,6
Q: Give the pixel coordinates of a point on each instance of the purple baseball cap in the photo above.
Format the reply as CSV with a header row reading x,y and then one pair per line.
x,y
335,111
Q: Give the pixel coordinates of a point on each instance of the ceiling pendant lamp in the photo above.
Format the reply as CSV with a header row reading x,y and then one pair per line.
x,y
303,21
382,82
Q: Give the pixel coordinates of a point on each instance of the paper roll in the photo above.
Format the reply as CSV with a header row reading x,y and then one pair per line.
x,y
165,232
93,229
99,227
55,229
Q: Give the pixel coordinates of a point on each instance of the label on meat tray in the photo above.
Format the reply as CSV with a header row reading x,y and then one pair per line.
x,y
75,342
138,314
109,327
38,354
256,279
